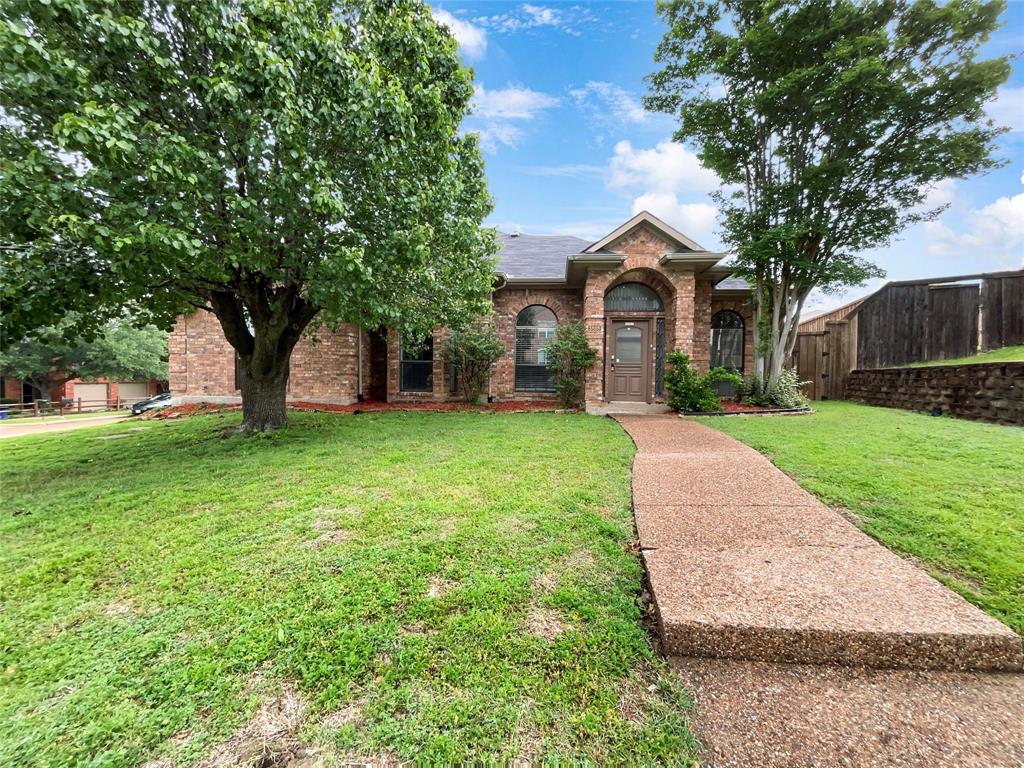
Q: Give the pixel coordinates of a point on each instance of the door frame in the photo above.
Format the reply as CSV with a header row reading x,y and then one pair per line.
x,y
647,365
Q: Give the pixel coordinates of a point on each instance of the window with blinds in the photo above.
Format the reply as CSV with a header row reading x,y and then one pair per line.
x,y
535,326
416,366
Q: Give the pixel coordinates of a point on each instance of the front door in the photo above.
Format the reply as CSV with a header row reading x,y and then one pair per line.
x,y
628,358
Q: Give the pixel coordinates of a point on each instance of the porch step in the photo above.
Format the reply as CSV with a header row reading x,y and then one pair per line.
x,y
634,409
745,564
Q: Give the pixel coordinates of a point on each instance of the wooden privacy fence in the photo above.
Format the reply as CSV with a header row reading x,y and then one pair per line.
x,y
822,359
911,322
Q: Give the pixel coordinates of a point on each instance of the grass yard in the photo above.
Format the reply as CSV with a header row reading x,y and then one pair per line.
x,y
443,587
945,491
1003,355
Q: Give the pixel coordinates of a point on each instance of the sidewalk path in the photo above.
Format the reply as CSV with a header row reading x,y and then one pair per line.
x,y
12,428
747,568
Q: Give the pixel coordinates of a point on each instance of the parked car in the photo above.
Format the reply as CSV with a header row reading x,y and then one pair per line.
x,y
160,401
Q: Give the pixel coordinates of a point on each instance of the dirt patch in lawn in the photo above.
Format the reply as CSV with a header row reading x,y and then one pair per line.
x,y
328,533
545,623
437,587
350,714
268,740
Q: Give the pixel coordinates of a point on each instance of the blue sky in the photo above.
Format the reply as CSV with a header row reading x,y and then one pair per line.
x,y
570,149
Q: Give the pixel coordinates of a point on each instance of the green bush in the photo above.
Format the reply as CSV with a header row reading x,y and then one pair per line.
x,y
570,356
689,390
472,351
785,393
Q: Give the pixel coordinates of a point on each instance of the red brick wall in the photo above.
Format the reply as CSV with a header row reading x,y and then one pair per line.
x,y
324,368
643,249
324,365
508,303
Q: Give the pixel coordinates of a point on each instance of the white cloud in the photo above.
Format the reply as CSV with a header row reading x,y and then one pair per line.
x,y
529,16
541,16
471,38
515,102
668,168
496,113
669,181
1008,108
689,218
994,233
614,102
942,193
567,170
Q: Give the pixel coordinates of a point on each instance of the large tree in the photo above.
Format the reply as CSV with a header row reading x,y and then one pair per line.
x,y
279,163
121,350
828,121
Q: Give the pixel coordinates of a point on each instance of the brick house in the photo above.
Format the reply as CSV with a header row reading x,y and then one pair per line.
x,y
642,290
94,394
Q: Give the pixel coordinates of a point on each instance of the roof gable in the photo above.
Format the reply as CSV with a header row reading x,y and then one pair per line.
x,y
666,232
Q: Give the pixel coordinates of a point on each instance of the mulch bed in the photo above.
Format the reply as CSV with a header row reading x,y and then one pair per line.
x,y
369,406
732,408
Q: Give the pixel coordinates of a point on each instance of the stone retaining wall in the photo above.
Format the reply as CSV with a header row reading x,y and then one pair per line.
x,y
983,391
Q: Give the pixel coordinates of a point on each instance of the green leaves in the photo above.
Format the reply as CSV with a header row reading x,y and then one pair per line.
x,y
299,160
832,120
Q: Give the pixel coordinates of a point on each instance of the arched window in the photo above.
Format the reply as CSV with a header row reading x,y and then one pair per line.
x,y
535,326
727,341
632,297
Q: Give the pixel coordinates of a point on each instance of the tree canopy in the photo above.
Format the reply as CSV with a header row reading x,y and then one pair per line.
x,y
121,350
276,162
828,122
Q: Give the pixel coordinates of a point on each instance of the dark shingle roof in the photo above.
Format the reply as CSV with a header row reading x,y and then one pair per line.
x,y
732,284
536,255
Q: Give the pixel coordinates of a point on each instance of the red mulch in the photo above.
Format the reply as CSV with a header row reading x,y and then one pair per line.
x,y
503,406
731,406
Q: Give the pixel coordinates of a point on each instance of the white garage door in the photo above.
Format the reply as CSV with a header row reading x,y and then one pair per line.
x,y
132,392
93,396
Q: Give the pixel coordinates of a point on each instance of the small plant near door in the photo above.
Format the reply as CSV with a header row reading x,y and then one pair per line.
x,y
472,351
784,393
691,391
570,355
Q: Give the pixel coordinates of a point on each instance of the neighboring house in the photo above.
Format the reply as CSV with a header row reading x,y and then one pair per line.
x,y
816,323
96,394
640,291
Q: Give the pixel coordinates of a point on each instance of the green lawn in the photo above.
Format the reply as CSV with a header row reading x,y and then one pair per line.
x,y
1004,355
440,586
946,491
56,417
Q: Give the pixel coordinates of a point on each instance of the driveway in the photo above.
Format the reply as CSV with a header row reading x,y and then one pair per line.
x,y
57,424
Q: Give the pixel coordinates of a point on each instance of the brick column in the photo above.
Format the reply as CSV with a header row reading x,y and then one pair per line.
x,y
684,312
593,322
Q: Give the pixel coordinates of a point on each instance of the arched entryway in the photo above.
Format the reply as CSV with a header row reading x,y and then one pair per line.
x,y
634,311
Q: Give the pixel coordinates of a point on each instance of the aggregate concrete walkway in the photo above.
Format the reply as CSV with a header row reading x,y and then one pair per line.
x,y
748,570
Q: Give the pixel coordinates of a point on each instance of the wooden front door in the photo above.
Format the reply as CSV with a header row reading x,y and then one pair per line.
x,y
629,360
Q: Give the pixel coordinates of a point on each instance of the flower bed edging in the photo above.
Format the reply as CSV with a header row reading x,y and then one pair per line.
x,y
757,412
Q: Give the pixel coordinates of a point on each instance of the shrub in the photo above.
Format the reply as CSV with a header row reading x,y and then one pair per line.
x,y
472,351
691,391
785,393
570,356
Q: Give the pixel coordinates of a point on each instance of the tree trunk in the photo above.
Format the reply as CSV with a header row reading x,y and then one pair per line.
x,y
263,397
